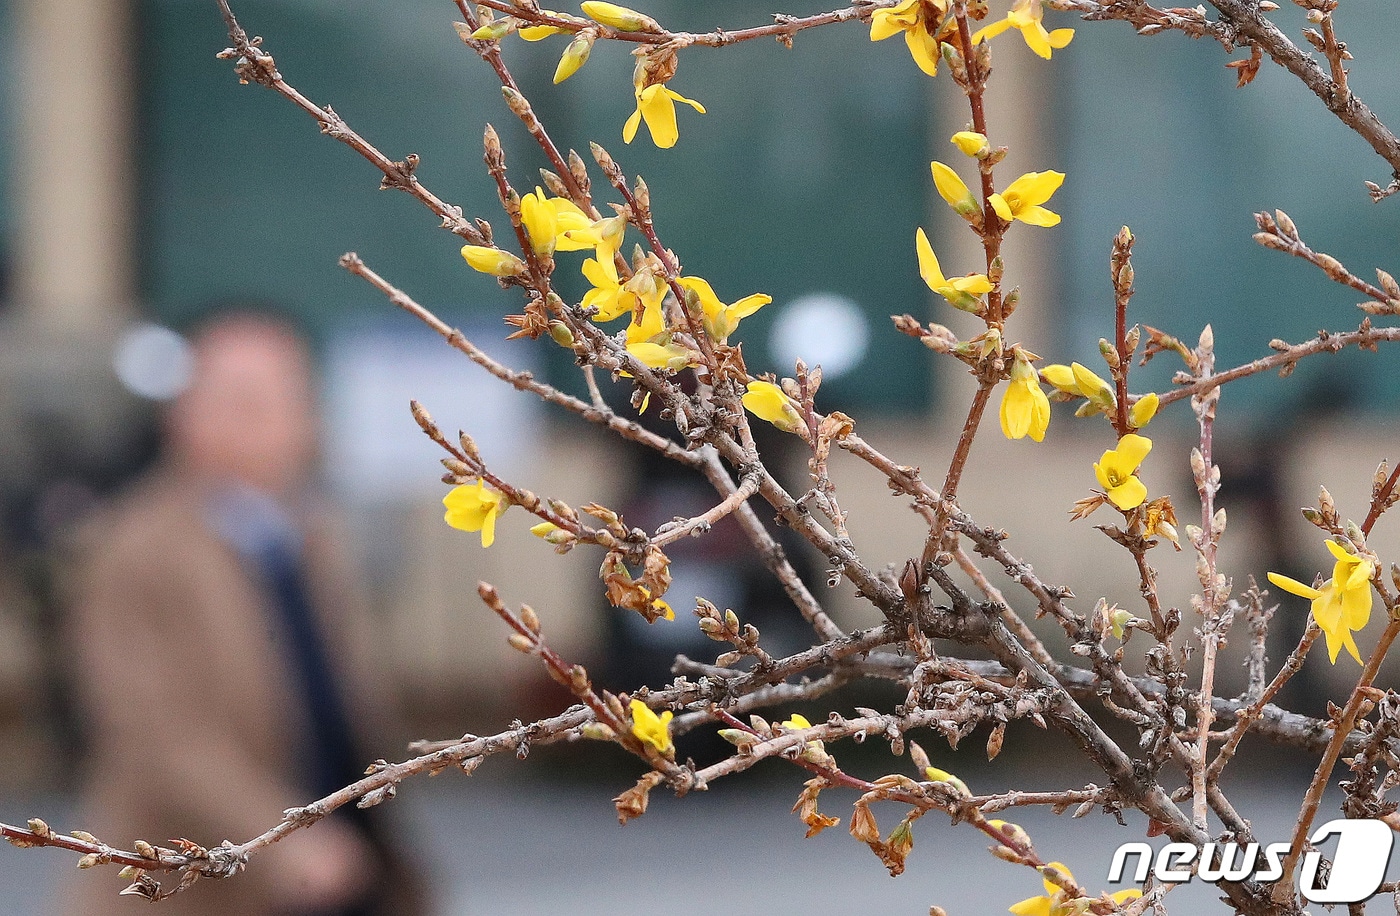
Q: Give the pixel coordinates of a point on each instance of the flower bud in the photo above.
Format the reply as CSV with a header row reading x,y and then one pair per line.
x,y
597,731
1109,353
1098,391
619,17
768,402
951,189
495,31
575,55
1009,303
493,261
971,143
934,774
561,334
1143,410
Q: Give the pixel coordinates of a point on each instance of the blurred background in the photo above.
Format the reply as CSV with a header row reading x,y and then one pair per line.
x,y
144,189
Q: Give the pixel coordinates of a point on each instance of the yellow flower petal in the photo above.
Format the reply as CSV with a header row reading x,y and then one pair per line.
x,y
1031,906
1062,377
1002,208
1293,586
923,47
951,189
1129,494
629,129
1025,410
1092,386
1039,216
1037,39
539,220
659,112
928,262
670,357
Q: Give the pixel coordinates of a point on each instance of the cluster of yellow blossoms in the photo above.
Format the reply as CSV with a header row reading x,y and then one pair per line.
x,y
656,102
554,224
926,26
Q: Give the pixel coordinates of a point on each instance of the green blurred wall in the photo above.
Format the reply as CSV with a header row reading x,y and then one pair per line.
x,y
808,174
1156,135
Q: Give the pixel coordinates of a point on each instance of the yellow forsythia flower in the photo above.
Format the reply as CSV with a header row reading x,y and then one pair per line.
x,y
547,221
612,298
962,292
1025,410
1342,605
493,261
1116,471
721,320
649,340
607,294
619,17
649,728
768,402
969,141
656,105
1054,901
1023,198
920,35
474,508
951,188
1026,16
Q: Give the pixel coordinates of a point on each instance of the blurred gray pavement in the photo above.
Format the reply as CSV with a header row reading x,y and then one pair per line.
x,y
527,846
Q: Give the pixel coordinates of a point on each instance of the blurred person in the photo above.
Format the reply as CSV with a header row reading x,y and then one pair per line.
x,y
220,652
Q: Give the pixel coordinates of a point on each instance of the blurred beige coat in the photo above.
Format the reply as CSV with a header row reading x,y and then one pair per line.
x,y
191,704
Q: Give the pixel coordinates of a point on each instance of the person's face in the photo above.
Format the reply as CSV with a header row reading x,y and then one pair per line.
x,y
249,414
